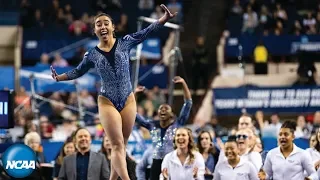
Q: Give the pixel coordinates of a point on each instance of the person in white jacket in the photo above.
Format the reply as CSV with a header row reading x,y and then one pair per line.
x,y
235,167
243,138
185,162
287,161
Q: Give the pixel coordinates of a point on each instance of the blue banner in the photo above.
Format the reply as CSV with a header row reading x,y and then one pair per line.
x,y
276,45
232,101
7,80
149,76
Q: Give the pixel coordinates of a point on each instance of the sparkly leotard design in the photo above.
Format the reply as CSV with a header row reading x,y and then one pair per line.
x,y
162,138
113,67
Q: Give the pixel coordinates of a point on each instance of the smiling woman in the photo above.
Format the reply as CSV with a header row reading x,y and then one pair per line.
x,y
288,160
185,162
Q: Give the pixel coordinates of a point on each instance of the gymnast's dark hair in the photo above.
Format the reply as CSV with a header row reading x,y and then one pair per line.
x,y
292,125
96,17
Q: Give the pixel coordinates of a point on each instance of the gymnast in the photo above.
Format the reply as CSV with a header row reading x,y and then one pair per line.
x,y
162,131
116,101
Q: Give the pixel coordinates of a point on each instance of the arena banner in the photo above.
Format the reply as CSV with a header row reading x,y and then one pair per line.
x,y
276,45
7,77
149,76
232,101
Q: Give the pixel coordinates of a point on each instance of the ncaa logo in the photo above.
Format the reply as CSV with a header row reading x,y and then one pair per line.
x,y
19,161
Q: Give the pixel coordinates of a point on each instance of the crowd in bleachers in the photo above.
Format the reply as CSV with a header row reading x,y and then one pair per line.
x,y
274,17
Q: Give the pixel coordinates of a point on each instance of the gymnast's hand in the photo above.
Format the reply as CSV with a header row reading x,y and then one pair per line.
x,y
167,15
54,74
178,79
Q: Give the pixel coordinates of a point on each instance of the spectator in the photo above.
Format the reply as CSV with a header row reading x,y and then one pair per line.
x,y
80,162
260,59
67,149
158,13
59,61
280,13
309,21
33,140
46,128
314,150
209,152
250,21
302,130
236,8
68,13
146,5
246,142
174,163
273,128
265,20
144,166
200,64
78,28
234,167
174,7
44,60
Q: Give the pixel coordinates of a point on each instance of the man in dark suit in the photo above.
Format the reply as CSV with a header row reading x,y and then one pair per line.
x,y
85,164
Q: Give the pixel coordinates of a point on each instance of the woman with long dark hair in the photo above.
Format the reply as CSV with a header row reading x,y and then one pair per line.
x,y
314,151
209,152
67,148
287,161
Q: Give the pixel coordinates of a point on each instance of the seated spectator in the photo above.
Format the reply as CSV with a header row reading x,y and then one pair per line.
x,y
44,60
280,13
67,149
250,21
236,8
38,19
146,4
309,21
59,61
87,99
302,130
46,128
158,13
33,140
175,6
265,20
78,28
68,13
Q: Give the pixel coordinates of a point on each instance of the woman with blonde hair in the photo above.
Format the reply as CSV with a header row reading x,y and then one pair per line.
x,y
185,162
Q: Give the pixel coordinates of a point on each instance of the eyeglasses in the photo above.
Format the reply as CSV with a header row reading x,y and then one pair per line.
x,y
239,136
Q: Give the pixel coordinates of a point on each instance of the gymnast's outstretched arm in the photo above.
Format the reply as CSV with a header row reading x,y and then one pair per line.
x,y
186,108
75,73
138,37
